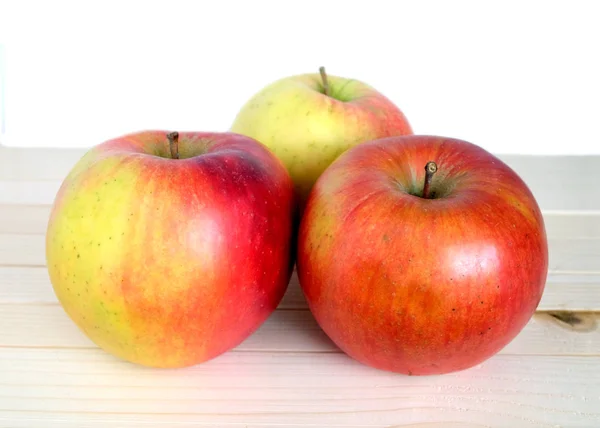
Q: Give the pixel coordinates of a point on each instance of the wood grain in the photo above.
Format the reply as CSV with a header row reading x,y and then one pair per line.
x,y
565,255
288,373
33,219
302,389
33,175
53,420
48,326
30,284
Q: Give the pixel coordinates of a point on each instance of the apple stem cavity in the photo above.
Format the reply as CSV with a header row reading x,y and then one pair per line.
x,y
430,169
174,144
325,81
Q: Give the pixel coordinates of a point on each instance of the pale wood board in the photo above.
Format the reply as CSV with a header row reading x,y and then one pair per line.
x,y
288,373
48,326
572,292
301,389
565,255
32,176
33,219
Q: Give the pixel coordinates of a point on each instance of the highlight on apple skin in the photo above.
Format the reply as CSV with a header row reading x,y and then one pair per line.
x,y
420,283
167,250
308,120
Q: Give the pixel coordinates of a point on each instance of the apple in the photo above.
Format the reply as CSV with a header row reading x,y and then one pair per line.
x,y
308,120
421,254
167,250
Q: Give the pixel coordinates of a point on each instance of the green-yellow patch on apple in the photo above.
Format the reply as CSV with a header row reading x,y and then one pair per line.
x,y
308,120
169,262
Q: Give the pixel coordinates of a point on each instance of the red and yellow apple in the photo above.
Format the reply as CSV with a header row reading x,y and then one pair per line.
x,y
308,120
168,255
421,282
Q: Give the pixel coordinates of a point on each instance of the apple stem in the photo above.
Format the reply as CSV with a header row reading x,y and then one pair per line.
x,y
325,81
174,144
430,169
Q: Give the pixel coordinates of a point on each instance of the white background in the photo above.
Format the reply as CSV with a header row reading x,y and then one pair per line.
x,y
511,76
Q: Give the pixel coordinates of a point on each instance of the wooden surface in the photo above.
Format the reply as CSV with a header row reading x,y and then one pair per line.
x,y
289,374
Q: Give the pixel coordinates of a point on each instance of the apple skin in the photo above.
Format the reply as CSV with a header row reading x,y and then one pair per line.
x,y
170,262
307,129
421,286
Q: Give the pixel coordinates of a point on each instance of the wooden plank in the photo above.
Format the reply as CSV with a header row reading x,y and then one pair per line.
x,y
33,219
560,182
31,285
22,250
573,225
28,192
86,387
43,326
289,374
37,164
574,255
78,420
54,420
49,326
25,219
571,292
566,255
32,176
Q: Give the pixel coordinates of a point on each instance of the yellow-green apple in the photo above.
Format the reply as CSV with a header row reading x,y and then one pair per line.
x,y
170,249
421,254
308,120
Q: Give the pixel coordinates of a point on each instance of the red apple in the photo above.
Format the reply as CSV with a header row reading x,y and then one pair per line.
x,y
420,283
170,258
